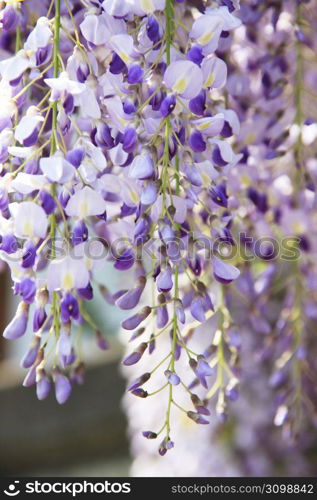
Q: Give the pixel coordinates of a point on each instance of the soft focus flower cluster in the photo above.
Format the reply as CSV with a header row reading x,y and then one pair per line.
x,y
280,202
272,73
154,134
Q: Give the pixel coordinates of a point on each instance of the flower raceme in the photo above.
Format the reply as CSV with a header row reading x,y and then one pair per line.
x,y
114,122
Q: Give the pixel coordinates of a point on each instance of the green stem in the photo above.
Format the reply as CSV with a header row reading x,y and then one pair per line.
x,y
160,363
177,176
298,323
179,406
158,390
166,160
18,39
299,100
297,315
220,353
174,340
169,12
56,63
57,26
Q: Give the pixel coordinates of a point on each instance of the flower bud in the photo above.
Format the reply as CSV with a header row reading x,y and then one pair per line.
x,y
136,355
63,387
152,343
137,334
31,354
139,381
197,418
102,343
43,385
199,405
39,318
165,445
149,434
172,377
134,321
17,327
140,393
131,298
30,377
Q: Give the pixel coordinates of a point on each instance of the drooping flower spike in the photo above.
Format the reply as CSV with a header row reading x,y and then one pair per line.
x,y
103,136
120,137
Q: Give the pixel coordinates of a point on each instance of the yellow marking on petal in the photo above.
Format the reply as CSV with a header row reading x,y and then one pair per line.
x,y
180,85
245,181
205,178
204,39
251,138
204,125
134,196
68,281
210,80
83,209
28,228
122,121
124,56
147,6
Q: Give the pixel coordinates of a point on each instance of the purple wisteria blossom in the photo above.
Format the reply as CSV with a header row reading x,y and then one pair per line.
x,y
124,139
163,136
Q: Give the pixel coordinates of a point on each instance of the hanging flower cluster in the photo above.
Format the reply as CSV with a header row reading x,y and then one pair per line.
x,y
270,86
280,199
255,447
116,129
120,139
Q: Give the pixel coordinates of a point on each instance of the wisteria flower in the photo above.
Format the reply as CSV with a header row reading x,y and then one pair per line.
x,y
184,78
